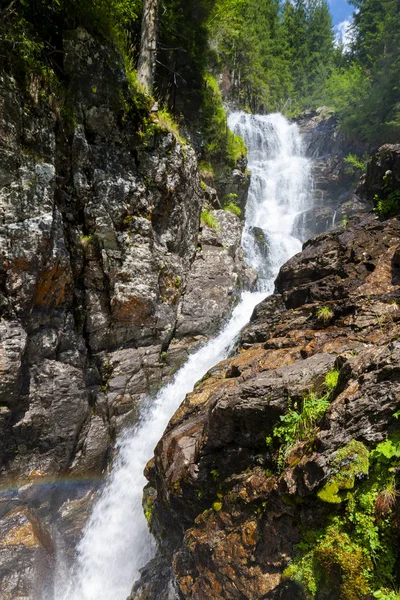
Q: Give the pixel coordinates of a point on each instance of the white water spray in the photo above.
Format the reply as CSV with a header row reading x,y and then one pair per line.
x,y
281,188
116,542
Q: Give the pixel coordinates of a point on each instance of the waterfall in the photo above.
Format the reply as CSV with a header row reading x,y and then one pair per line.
x,y
116,542
281,188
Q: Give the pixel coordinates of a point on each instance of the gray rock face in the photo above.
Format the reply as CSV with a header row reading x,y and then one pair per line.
x,y
334,202
99,225
217,275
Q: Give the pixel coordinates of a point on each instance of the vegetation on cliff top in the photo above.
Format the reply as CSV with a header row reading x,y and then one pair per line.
x,y
269,56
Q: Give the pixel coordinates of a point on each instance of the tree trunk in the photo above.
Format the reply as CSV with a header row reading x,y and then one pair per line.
x,y
148,45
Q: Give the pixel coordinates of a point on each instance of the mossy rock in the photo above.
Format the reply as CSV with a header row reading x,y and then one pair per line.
x,y
350,462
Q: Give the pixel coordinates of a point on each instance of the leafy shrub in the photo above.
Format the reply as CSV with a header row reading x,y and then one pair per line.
x,y
357,165
389,206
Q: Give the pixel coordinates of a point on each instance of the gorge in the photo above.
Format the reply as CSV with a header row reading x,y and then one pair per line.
x,y
199,322
111,553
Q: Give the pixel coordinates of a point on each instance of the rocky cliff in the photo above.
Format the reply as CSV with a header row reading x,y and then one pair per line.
x,y
105,274
336,196
276,477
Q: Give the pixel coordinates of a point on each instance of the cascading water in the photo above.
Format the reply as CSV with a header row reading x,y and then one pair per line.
x,y
281,188
116,542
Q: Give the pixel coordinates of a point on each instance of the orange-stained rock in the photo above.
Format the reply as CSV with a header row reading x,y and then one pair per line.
x,y
234,501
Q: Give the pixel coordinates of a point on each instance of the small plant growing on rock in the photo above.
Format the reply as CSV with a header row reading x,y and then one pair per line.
x,y
85,240
357,165
386,501
324,314
206,170
208,220
166,123
389,206
331,379
217,506
233,208
297,425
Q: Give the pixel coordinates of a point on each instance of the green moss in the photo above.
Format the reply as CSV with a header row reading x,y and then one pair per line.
x,y
350,462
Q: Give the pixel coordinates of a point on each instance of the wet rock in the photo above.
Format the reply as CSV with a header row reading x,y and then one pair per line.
x,y
46,435
216,278
333,202
26,554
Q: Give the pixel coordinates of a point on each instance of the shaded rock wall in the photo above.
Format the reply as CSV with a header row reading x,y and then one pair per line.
x,y
227,518
335,196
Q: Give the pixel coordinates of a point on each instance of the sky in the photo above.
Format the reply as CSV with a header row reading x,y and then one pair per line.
x,y
341,15
341,11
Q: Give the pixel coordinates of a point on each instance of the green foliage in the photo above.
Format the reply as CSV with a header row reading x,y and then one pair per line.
x,y
357,165
220,143
324,314
233,208
385,594
344,222
388,452
166,122
299,422
355,550
86,240
230,204
277,55
215,474
363,88
389,206
206,170
208,220
331,379
387,202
